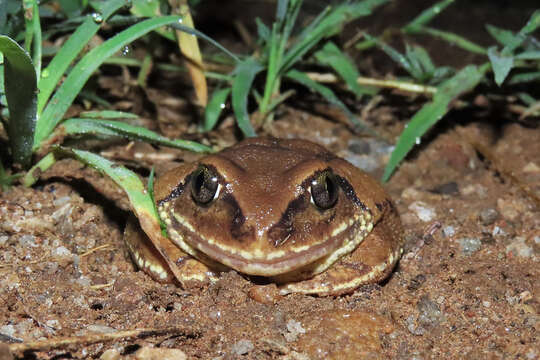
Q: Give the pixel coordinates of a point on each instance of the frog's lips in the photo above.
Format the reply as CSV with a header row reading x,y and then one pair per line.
x,y
322,253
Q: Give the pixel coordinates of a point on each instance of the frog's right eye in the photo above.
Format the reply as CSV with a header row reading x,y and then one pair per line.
x,y
204,185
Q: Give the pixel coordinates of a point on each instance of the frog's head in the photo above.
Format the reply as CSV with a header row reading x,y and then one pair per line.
x,y
269,207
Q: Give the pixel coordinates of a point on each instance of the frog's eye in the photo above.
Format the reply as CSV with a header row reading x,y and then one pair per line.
x,y
204,185
324,190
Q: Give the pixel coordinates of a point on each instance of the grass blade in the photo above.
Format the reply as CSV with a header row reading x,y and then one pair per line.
x,y
427,15
397,57
463,81
329,95
108,114
79,126
214,108
327,24
70,50
20,87
33,33
332,56
78,76
452,39
245,73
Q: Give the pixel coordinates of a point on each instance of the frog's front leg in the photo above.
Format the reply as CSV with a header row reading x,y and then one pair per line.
x,y
192,273
370,262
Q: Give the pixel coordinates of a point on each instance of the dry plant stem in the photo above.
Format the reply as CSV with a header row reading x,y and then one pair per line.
x,y
189,46
400,85
96,338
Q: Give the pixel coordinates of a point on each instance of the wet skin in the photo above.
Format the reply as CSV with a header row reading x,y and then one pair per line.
x,y
287,210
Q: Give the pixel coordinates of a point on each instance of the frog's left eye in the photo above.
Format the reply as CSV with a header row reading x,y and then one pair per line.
x,y
324,190
204,185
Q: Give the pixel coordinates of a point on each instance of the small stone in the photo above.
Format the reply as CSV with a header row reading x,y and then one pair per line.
x,y
430,315
242,347
110,354
8,330
486,304
519,248
103,329
469,245
27,240
449,231
531,168
3,240
294,329
359,146
423,211
450,188
148,353
488,216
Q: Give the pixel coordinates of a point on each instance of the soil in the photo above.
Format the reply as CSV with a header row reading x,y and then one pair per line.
x,y
467,285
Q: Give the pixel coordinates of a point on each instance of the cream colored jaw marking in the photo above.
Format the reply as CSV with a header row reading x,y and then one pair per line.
x,y
364,221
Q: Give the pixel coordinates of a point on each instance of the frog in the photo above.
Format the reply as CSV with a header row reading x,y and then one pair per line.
x,y
284,210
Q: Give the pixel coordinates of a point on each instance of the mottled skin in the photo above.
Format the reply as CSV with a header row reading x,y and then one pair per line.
x,y
264,221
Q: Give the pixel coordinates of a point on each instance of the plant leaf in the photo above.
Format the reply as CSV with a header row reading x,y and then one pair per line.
x,y
108,114
427,15
332,56
72,85
78,126
214,108
430,113
20,87
70,50
327,24
245,73
503,36
501,64
329,95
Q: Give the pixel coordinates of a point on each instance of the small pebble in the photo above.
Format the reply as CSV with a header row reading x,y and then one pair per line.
x,y
469,245
488,216
519,248
3,240
294,329
242,347
27,240
430,315
423,211
449,231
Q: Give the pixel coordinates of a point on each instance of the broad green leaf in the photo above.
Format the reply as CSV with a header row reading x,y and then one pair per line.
x,y
532,24
524,77
427,15
429,114
108,114
503,37
529,55
72,85
79,126
214,108
20,87
332,56
501,64
245,73
52,74
329,95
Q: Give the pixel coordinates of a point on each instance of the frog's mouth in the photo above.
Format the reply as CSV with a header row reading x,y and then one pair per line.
x,y
308,259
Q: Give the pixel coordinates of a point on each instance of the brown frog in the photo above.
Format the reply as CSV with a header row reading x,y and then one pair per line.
x,y
287,210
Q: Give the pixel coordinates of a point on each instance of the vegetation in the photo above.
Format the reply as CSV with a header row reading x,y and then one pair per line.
x,y
36,98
